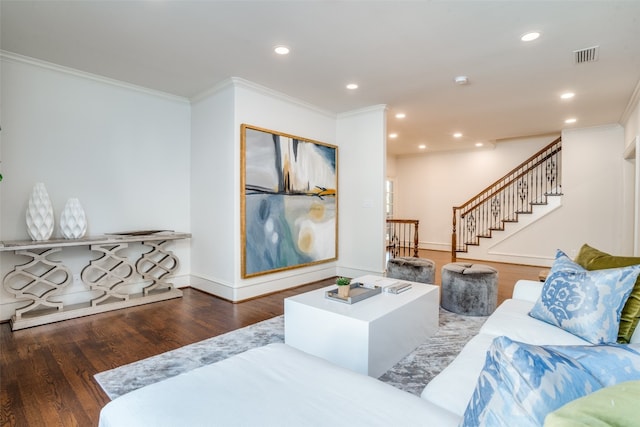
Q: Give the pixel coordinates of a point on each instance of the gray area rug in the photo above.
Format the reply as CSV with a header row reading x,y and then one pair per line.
x,y
410,374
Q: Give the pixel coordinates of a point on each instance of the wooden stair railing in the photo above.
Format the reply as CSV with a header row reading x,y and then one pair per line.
x,y
525,186
402,237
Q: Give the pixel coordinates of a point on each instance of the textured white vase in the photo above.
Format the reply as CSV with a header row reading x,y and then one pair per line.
x,y
39,213
73,222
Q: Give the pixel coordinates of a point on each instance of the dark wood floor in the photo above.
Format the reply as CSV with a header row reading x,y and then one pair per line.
x,y
46,372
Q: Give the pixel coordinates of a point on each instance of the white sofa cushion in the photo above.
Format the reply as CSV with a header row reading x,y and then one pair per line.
x,y
275,385
453,387
512,319
529,290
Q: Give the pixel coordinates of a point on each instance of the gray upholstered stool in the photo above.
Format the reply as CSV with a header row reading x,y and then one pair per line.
x,y
412,269
470,289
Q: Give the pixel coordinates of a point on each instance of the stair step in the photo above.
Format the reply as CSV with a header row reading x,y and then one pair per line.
x,y
488,217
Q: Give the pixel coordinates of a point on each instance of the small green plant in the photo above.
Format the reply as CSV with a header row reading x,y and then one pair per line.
x,y
343,281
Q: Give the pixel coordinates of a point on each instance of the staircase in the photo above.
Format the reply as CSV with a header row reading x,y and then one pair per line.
x,y
517,193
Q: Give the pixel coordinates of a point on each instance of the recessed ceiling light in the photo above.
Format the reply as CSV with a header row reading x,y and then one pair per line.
x,y
567,95
571,120
393,135
422,146
479,144
352,86
281,50
461,80
401,116
530,36
457,135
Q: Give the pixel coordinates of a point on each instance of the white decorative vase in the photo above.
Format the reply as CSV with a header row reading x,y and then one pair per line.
x,y
39,214
73,222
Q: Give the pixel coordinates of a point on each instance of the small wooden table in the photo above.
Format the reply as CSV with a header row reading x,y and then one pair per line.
x,y
542,275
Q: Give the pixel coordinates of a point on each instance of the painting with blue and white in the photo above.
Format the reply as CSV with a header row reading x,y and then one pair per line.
x,y
290,207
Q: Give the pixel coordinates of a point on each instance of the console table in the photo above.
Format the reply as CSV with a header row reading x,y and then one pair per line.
x,y
41,279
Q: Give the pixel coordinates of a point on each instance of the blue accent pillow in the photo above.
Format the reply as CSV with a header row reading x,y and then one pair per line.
x,y
521,383
586,303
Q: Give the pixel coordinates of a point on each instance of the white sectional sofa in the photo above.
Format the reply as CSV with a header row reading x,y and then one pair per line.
x,y
278,385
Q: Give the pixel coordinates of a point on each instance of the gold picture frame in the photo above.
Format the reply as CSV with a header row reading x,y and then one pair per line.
x,y
289,201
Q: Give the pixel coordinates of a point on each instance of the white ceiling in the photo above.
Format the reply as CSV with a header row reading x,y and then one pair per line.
x,y
402,53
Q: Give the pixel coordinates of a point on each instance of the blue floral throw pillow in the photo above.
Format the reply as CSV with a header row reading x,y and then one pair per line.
x,y
586,303
521,383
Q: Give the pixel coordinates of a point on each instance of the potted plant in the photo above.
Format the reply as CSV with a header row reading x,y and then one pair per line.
x,y
343,286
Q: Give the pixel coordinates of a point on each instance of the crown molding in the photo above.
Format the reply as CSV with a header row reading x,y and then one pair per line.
x,y
634,101
238,82
630,150
371,109
14,57
246,84
215,89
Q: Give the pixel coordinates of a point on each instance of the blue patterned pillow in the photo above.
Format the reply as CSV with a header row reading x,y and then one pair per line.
x,y
521,383
562,262
586,303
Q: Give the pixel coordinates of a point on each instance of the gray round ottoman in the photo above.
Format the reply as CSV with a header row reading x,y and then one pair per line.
x,y
412,269
470,289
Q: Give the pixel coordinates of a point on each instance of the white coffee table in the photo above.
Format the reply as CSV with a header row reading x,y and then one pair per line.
x,y
369,336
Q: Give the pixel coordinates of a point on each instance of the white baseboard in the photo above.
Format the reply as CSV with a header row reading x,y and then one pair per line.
x,y
522,259
435,246
357,272
255,288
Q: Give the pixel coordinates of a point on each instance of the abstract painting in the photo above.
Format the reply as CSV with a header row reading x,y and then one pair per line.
x,y
289,201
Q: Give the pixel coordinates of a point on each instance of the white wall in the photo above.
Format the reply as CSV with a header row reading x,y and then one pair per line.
x,y
139,159
429,185
391,167
217,243
213,192
632,124
123,151
262,107
592,206
217,118
632,168
362,174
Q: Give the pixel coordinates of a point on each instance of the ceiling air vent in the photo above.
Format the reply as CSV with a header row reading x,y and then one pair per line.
x,y
589,54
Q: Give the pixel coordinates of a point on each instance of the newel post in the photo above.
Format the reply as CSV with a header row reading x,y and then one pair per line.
x,y
453,238
415,240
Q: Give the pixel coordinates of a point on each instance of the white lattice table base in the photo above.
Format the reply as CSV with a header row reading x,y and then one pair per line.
x,y
108,273
157,265
38,280
41,279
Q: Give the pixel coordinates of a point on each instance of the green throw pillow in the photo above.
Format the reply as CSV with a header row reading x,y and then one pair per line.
x,y
594,259
610,406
